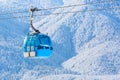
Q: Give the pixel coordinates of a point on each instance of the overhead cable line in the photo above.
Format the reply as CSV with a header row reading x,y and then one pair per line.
x,y
90,3
116,7
100,9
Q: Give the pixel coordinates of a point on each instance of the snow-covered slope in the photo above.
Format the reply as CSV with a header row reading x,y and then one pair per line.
x,y
85,43
93,36
12,33
78,77
84,33
97,42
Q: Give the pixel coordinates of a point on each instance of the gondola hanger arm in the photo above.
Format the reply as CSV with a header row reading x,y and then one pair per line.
x,y
32,10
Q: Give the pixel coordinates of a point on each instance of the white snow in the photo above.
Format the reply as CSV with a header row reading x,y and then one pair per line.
x,y
86,44
80,77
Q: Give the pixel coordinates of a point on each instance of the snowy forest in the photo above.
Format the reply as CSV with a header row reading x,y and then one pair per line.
x,y
85,36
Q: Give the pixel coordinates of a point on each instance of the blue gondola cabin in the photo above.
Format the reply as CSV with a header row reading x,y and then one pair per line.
x,y
37,45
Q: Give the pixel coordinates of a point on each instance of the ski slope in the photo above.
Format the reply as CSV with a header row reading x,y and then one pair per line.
x,y
86,44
